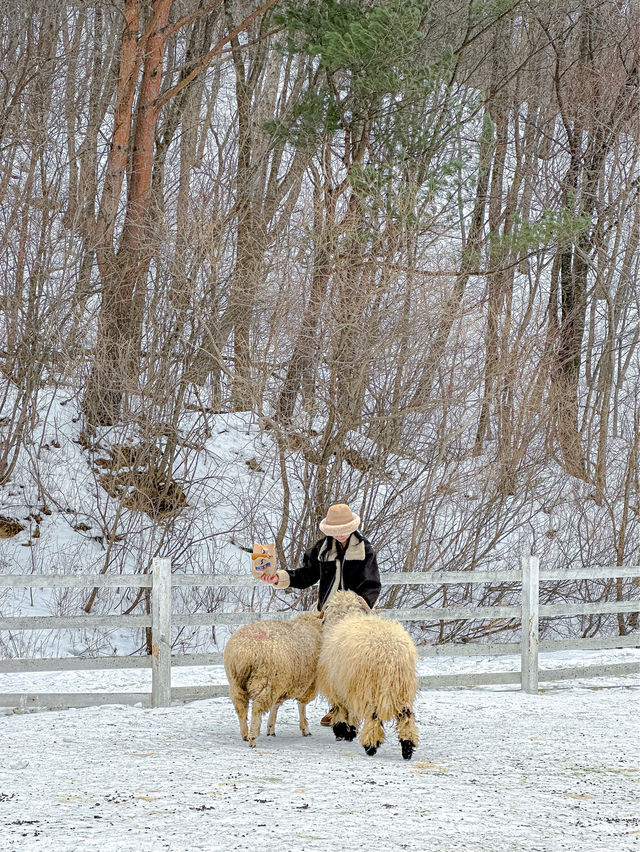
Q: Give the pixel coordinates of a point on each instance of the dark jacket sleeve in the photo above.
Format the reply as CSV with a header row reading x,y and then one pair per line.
x,y
369,586
309,571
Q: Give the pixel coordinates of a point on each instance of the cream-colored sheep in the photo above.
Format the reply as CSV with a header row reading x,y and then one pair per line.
x,y
269,661
367,670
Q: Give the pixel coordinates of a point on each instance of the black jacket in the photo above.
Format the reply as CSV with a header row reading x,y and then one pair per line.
x,y
353,568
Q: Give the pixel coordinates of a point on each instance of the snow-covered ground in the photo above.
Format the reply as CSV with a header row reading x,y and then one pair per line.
x,y
496,769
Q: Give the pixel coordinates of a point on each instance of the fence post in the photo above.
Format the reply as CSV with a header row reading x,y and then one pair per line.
x,y
530,641
161,633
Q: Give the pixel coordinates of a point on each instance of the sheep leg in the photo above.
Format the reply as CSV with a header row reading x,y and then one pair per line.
x,y
302,715
271,722
240,698
338,713
372,735
343,724
303,699
407,732
263,700
257,709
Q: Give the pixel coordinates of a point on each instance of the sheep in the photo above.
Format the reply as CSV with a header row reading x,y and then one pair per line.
x,y
269,661
367,671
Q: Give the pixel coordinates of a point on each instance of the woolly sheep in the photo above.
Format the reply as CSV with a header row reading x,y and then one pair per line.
x,y
367,670
268,662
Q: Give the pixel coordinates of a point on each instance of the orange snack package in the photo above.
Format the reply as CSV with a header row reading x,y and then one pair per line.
x,y
263,559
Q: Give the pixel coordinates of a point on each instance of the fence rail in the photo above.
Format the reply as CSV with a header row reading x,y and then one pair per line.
x,y
161,620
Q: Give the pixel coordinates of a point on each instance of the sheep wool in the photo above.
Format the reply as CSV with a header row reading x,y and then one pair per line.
x,y
367,670
268,662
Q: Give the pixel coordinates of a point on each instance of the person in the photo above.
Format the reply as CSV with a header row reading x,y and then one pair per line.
x,y
342,559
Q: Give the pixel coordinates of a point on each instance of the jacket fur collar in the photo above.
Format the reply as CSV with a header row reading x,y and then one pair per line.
x,y
355,549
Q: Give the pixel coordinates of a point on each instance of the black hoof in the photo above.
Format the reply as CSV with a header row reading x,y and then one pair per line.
x,y
371,750
407,749
341,730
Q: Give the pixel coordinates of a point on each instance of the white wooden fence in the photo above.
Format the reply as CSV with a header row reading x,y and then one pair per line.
x,y
161,621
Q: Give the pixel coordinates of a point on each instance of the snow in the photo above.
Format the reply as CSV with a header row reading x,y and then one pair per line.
x,y
496,769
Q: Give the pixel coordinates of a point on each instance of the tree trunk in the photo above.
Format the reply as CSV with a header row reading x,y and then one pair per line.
x,y
469,265
300,365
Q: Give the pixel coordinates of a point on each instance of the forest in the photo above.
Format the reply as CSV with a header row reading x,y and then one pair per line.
x,y
400,238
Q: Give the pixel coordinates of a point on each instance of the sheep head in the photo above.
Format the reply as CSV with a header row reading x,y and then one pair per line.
x,y
342,604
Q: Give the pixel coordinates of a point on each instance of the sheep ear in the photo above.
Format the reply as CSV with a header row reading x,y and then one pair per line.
x,y
365,606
